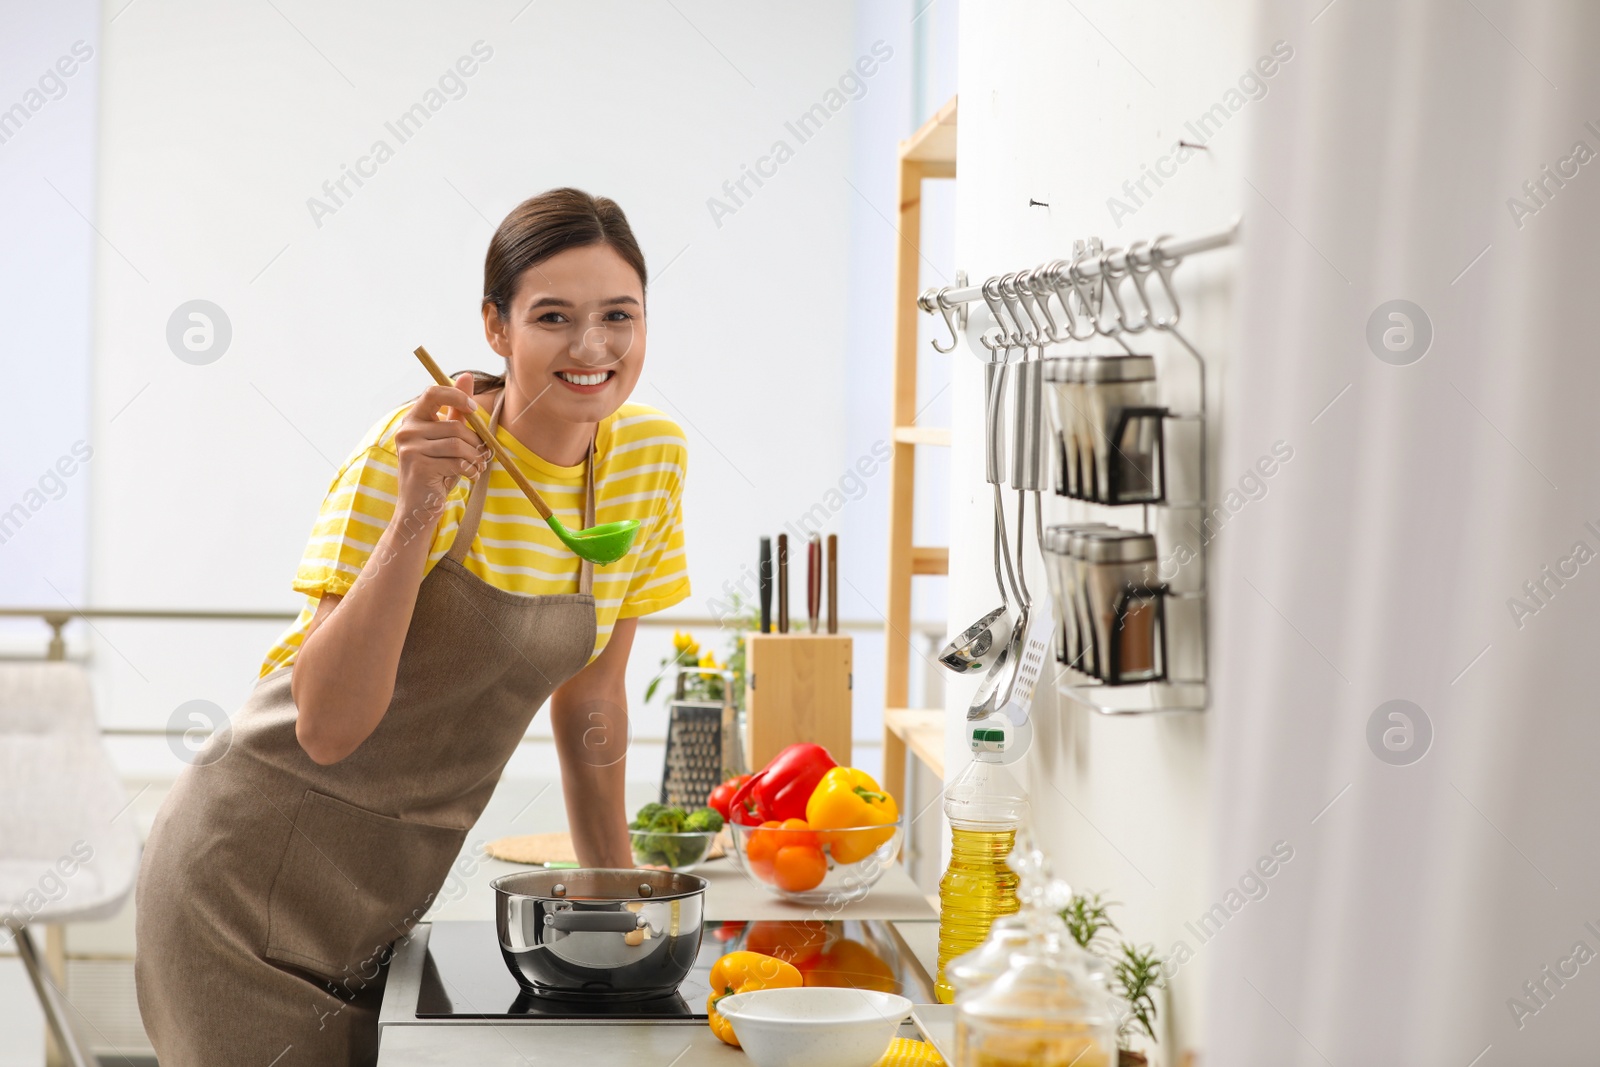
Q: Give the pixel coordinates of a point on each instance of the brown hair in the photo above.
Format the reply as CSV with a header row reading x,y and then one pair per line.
x,y
543,226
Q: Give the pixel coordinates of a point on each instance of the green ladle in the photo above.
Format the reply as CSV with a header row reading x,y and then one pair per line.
x,y
605,543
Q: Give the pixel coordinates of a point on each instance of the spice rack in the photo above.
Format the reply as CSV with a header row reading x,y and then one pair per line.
x,y
1056,302
1181,567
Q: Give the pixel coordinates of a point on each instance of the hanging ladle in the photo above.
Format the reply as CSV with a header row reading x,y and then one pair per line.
x,y
1026,474
983,645
605,543
997,682
980,645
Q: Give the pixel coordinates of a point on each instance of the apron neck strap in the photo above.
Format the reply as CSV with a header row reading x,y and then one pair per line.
x,y
468,527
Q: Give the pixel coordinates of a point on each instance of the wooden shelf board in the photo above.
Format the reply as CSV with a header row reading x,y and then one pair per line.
x,y
935,142
923,435
930,559
922,729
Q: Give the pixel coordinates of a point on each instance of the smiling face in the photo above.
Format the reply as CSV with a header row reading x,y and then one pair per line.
x,y
573,336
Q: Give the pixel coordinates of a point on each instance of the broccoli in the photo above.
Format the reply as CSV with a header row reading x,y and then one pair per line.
x,y
706,820
667,821
656,823
656,837
647,813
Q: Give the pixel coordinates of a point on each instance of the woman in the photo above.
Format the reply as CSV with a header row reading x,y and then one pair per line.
x,y
441,614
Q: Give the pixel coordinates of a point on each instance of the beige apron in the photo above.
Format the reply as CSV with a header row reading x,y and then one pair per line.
x,y
272,888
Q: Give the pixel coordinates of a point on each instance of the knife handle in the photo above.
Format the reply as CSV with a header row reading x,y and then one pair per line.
x,y
764,581
833,583
783,583
813,581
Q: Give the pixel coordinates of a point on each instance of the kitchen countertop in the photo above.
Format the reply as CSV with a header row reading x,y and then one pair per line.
x,y
729,896
411,1042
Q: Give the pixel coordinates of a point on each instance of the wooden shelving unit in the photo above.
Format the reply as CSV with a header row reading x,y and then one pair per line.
x,y
928,153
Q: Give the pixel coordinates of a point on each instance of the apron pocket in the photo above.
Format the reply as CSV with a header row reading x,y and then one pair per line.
x,y
351,882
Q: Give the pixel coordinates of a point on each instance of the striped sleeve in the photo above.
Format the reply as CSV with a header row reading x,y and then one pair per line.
x,y
661,578
354,514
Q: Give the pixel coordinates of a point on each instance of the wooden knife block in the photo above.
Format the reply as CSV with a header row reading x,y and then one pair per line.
x,y
797,689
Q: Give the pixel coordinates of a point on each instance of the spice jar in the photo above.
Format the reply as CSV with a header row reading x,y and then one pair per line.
x,y
1122,432
1062,570
1122,599
1064,379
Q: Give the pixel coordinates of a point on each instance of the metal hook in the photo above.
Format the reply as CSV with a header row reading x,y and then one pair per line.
x,y
991,296
1164,265
1026,334
1044,324
1085,290
1066,292
1130,268
1042,282
1108,281
934,299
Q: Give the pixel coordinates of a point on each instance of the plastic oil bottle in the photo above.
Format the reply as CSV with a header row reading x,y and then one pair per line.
x,y
985,806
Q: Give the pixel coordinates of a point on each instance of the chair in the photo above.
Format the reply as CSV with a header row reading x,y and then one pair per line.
x,y
69,849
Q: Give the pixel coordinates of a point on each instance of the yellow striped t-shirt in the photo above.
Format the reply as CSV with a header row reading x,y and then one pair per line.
x,y
640,458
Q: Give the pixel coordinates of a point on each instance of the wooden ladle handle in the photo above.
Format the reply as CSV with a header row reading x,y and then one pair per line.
x,y
480,426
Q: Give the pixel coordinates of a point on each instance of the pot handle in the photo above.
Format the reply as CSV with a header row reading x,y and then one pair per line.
x,y
620,922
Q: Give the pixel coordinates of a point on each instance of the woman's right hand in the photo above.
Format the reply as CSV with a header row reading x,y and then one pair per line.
x,y
436,449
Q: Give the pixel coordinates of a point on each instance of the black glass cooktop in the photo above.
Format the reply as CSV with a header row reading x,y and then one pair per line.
x,y
465,977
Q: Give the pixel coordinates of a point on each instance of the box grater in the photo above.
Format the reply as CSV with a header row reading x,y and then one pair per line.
x,y
703,746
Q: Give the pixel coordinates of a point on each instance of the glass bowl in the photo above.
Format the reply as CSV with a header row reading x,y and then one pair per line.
x,y
828,866
680,852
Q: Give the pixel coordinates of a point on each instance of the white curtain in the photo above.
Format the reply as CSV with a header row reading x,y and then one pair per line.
x,y
1429,541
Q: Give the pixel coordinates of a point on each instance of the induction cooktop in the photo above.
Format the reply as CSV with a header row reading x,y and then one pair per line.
x,y
465,977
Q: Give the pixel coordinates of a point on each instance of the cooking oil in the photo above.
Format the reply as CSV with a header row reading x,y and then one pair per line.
x,y
984,805
977,888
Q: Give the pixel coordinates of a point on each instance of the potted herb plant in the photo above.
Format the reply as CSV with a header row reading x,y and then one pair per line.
x,y
1135,971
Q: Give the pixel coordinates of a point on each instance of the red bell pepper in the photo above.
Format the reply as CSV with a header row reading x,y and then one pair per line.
x,y
781,789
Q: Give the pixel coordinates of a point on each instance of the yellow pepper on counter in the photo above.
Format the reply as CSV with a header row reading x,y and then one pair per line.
x,y
740,972
845,798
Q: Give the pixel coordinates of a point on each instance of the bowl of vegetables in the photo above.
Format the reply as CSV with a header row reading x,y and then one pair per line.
x,y
664,836
812,832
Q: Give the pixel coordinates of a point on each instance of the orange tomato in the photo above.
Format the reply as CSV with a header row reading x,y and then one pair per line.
x,y
797,833
797,868
760,849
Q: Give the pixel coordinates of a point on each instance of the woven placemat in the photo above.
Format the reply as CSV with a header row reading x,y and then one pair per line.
x,y
536,849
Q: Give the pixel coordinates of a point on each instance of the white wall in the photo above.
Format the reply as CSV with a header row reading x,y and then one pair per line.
x,y
1062,104
48,103
220,123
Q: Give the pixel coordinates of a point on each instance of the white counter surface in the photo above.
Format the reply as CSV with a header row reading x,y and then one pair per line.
x,y
411,1042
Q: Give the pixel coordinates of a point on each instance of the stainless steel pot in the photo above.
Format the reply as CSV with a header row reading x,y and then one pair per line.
x,y
595,933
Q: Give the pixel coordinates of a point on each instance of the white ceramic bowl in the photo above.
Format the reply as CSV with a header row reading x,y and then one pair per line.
x,y
814,1026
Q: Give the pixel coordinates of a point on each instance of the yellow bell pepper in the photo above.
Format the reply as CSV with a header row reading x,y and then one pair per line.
x,y
845,798
740,972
